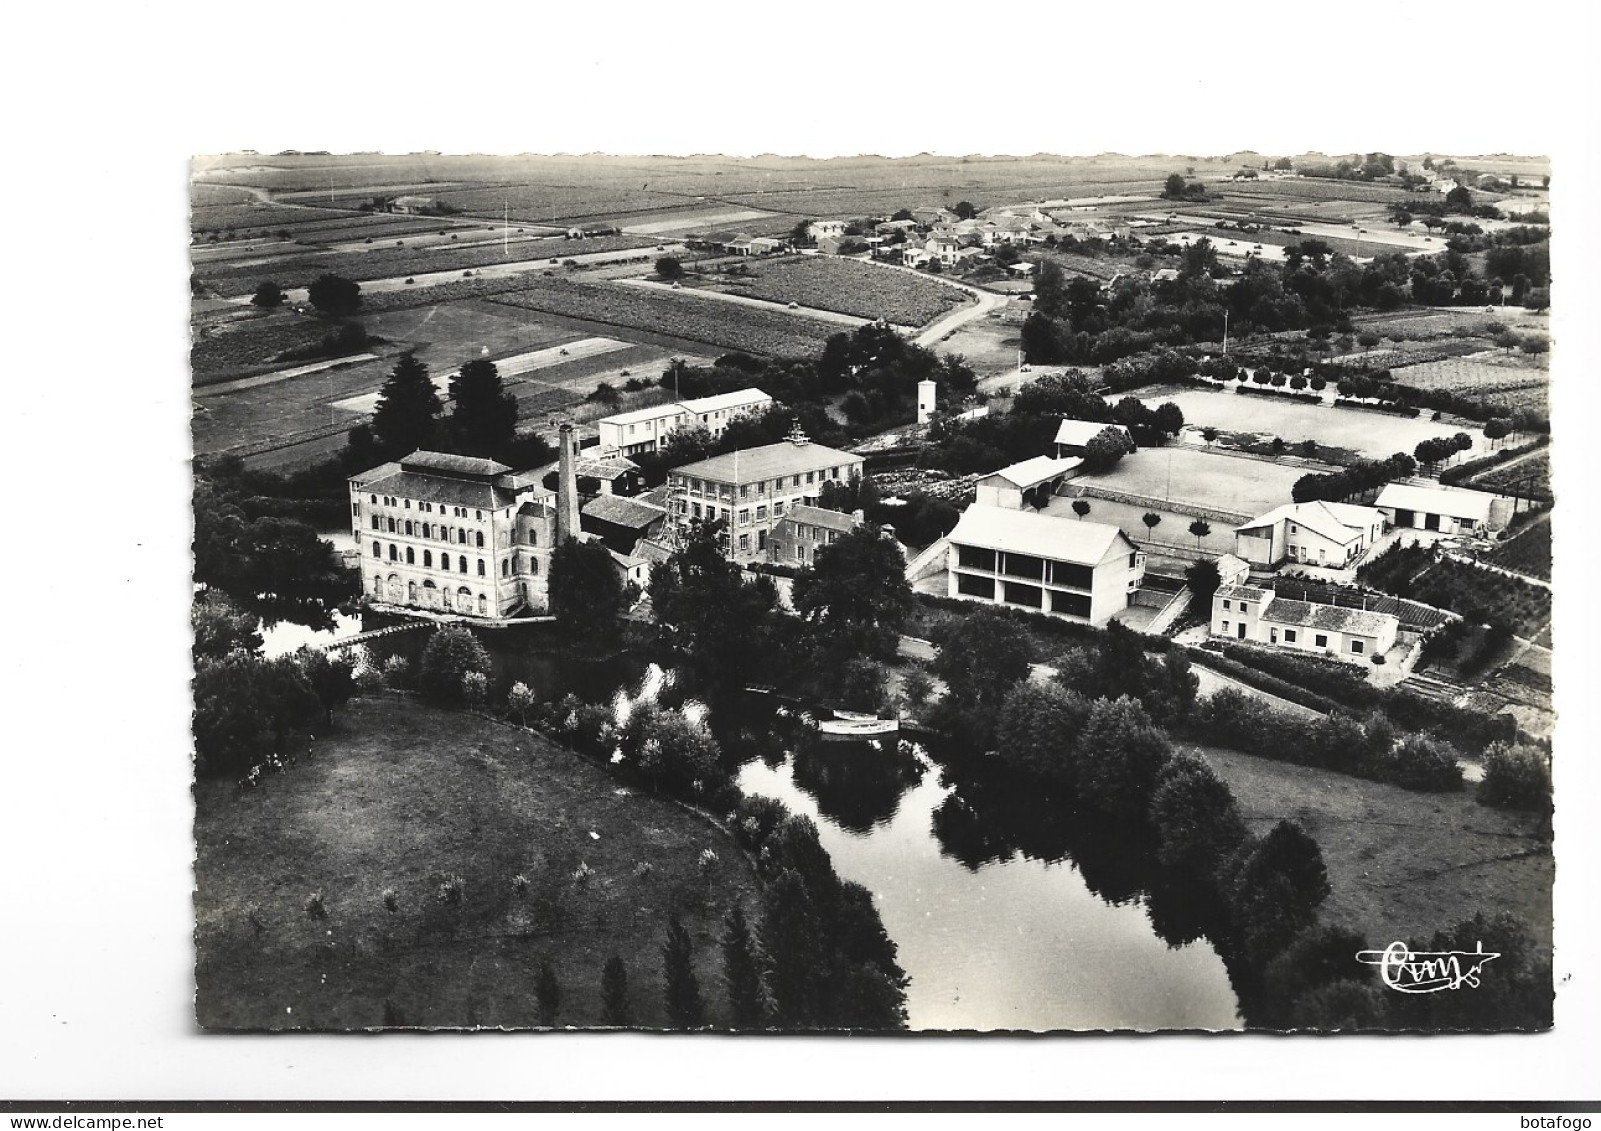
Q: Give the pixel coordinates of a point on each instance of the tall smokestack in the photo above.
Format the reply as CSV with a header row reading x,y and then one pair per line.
x,y
567,485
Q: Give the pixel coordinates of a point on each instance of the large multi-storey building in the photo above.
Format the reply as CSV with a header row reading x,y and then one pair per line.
x,y
752,489
457,534
646,429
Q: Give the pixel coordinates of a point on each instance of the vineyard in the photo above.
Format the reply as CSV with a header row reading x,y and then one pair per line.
x,y
1475,594
847,286
553,202
1528,552
228,351
681,315
391,262
1529,478
1482,374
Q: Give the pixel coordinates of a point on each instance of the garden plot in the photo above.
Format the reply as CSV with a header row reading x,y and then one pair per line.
x,y
1503,378
1373,435
692,221
846,286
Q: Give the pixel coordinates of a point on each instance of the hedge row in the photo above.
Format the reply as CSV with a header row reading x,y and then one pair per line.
x,y
1263,681
1331,678
1464,471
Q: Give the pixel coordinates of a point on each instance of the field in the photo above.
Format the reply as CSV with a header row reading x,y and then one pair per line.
x,y
676,315
1193,475
1402,865
1529,477
1528,552
1437,323
1508,379
1174,528
249,345
1373,435
1477,594
846,286
401,796
385,262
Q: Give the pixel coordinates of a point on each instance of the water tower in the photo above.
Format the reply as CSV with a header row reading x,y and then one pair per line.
x,y
925,401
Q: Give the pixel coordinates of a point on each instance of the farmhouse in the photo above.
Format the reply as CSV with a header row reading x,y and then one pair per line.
x,y
413,204
584,231
804,530
1074,436
1079,570
822,229
1316,533
1033,481
1242,612
753,489
1452,510
455,534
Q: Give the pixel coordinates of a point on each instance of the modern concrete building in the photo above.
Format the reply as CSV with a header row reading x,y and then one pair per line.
x,y
1260,616
645,429
1080,570
1334,535
754,488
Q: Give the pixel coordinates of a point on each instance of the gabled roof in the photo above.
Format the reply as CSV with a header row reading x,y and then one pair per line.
x,y
1449,501
753,465
1333,618
1318,517
821,516
640,415
1043,535
622,511
1243,593
609,468
1078,433
447,464
1033,472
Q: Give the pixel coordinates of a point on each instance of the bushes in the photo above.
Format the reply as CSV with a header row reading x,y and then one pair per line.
x,y
1515,777
1332,679
452,653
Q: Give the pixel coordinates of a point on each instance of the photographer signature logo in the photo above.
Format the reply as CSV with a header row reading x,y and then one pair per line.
x,y
1425,971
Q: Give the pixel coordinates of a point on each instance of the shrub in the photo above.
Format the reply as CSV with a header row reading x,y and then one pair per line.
x,y
397,673
1422,763
582,874
1515,777
315,907
391,900
519,886
452,652
451,890
643,869
475,688
521,701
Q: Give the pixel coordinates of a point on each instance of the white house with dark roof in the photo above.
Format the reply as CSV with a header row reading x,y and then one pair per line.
x,y
1079,570
804,530
1260,616
1450,510
1332,535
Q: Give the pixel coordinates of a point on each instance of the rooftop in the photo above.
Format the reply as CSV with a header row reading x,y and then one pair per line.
x,y
1333,618
443,463
1080,432
621,511
739,398
1043,535
610,467
445,489
1436,500
767,462
821,516
1338,522
1243,593
1033,472
639,415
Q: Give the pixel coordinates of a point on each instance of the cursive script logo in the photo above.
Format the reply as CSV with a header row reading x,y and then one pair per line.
x,y
1427,972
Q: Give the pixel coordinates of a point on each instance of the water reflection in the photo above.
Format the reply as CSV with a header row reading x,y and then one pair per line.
x,y
858,785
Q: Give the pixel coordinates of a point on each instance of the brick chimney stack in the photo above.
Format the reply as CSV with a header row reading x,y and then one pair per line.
x,y
567,485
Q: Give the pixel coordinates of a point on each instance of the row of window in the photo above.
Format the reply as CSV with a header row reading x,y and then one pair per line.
x,y
723,490
428,594
428,559
426,508
457,534
1319,639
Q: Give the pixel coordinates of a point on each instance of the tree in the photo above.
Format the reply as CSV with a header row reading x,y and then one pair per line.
x,y
1081,507
1204,580
676,754
856,594
221,627
982,656
334,295
669,267
964,210
268,295
742,976
1151,520
1119,756
685,1009
614,992
483,413
1497,430
1515,777
795,938
1200,528
705,608
1174,187
1277,885
1197,821
547,995
407,414
586,591
1459,199
1210,435
452,651
332,677
1039,726
1105,449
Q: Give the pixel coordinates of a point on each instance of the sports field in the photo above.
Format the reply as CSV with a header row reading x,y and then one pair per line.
x,y
1208,479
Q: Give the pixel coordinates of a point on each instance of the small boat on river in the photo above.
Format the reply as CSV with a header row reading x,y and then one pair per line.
x,y
847,724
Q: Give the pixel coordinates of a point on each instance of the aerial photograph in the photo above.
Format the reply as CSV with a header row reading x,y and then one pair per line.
x,y
946,593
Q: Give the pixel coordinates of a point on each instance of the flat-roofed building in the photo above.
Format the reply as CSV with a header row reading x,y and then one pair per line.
x,y
1084,571
643,430
754,488
1261,616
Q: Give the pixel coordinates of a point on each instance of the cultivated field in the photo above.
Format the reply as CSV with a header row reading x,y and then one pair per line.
x,y
1374,435
1529,477
1527,552
399,798
677,315
1512,380
847,286
248,345
1402,865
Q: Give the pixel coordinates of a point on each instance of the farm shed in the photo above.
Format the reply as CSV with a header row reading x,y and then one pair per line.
x,y
1451,510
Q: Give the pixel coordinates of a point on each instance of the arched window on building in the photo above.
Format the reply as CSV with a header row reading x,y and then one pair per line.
x,y
505,567
411,592
444,561
461,564
375,525
408,528
394,553
480,539
428,559
378,585
391,526
377,551
533,565
395,589
411,556
481,567
483,605
464,600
